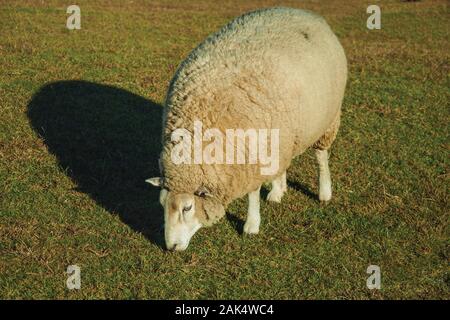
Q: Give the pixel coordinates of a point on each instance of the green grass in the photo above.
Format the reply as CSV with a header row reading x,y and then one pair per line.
x,y
79,133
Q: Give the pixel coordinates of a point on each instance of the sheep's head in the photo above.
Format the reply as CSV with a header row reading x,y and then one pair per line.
x,y
185,213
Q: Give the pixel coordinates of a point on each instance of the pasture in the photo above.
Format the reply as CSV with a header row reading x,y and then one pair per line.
x,y
80,123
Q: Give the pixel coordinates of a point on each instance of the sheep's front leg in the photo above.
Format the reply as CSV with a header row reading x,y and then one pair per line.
x,y
251,226
324,175
279,187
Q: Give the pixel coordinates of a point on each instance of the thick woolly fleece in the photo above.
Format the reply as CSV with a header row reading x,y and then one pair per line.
x,y
277,68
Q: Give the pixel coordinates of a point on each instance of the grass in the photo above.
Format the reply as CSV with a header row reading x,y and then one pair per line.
x,y
79,133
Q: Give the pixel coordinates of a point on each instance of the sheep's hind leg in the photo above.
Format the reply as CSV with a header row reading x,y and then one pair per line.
x,y
322,146
251,225
279,187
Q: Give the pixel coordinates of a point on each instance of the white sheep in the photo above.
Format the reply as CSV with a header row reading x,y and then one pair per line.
x,y
281,70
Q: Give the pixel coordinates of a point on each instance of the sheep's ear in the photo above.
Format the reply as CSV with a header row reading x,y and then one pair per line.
x,y
156,181
214,210
203,192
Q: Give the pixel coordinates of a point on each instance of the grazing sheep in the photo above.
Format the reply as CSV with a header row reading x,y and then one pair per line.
x,y
277,69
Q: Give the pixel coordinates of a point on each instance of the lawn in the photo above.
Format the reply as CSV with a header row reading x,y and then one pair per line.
x,y
80,122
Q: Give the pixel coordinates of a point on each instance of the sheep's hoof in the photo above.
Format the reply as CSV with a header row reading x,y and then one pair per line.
x,y
325,192
275,196
251,228
325,198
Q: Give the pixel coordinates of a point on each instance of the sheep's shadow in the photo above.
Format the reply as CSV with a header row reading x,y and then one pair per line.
x,y
303,189
108,141
236,222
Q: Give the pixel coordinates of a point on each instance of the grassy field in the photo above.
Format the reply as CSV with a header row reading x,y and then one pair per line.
x,y
79,132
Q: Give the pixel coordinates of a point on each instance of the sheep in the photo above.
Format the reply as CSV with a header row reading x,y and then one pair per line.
x,y
277,69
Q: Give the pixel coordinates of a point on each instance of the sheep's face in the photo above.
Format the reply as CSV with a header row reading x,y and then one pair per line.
x,y
180,219
185,213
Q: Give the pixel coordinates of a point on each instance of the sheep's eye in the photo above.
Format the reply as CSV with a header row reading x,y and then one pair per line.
x,y
186,209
